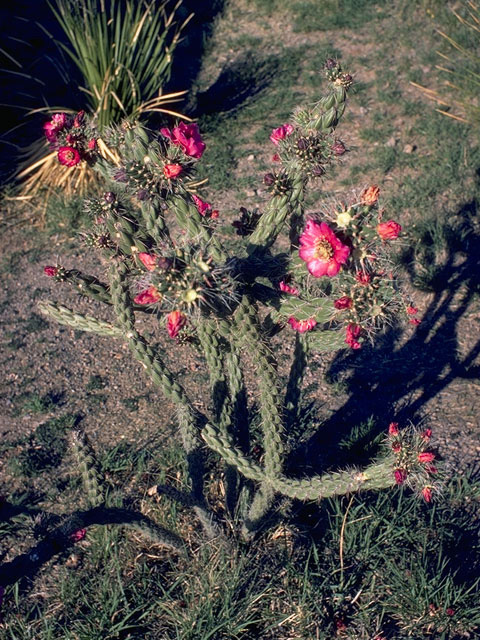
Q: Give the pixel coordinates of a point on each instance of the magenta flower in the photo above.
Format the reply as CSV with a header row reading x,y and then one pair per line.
x,y
302,325
281,132
343,303
188,137
352,333
286,288
203,207
78,535
50,271
320,248
400,476
68,156
148,296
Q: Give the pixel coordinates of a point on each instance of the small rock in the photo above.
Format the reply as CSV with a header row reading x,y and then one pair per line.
x,y
409,148
251,157
250,194
391,142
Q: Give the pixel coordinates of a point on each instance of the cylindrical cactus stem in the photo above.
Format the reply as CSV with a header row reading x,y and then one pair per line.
x,y
88,285
379,475
297,371
210,343
190,420
137,521
258,512
222,405
270,224
154,221
189,219
271,402
77,321
224,446
87,462
297,209
61,538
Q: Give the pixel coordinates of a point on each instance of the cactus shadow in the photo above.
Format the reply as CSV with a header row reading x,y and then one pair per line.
x,y
396,378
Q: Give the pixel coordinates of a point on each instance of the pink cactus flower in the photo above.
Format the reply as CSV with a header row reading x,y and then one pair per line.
x,y
353,332
148,260
68,156
393,429
426,456
400,475
50,271
286,288
389,230
427,494
203,207
187,136
78,535
411,311
343,303
148,296
176,320
280,133
320,248
302,325
172,170
92,144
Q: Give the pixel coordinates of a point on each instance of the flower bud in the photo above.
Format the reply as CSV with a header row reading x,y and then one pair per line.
x,y
338,148
330,63
50,271
400,475
109,197
269,179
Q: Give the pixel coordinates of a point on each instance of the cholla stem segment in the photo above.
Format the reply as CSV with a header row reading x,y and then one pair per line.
x,y
189,419
77,321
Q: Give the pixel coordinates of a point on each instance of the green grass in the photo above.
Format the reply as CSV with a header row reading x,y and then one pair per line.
x,y
362,550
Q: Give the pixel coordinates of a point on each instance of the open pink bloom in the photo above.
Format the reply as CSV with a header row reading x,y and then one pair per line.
x,y
56,124
68,156
188,137
411,311
353,332
320,248
393,429
400,476
286,288
302,325
427,494
280,133
426,456
343,303
148,296
148,260
389,230
176,320
76,536
50,271
172,170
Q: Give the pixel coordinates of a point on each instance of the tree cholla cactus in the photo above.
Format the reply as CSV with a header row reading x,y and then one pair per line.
x,y
329,286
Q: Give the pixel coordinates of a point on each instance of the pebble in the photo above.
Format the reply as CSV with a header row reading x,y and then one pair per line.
x,y
409,148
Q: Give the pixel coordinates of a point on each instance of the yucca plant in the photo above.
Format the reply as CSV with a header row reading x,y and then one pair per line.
x,y
323,281
123,51
460,68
